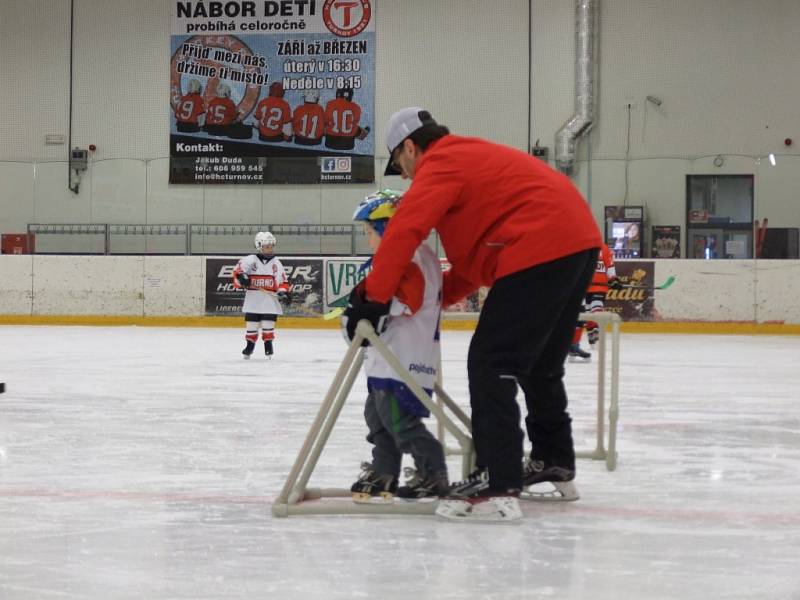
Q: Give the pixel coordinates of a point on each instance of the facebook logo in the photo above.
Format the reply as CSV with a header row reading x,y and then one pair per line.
x,y
336,164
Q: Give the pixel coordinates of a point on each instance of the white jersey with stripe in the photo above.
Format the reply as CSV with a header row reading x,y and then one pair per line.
x,y
414,339
266,277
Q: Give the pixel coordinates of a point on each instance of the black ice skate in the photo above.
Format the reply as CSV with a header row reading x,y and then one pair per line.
x,y
477,482
577,354
268,350
248,350
418,486
372,487
560,478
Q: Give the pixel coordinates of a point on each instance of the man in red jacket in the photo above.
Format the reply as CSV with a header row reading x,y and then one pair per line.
x,y
507,221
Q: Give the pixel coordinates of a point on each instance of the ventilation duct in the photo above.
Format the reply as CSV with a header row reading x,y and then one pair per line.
x,y
585,75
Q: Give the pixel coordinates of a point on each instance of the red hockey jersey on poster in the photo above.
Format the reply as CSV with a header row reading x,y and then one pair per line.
x,y
221,111
342,117
189,108
272,114
309,121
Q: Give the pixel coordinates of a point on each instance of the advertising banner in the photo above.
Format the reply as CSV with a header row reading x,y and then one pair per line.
x,y
635,302
305,279
272,91
341,276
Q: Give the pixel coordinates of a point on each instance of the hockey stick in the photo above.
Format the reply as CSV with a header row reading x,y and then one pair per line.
x,y
667,283
333,314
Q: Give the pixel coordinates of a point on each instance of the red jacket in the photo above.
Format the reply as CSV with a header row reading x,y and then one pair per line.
x,y
497,211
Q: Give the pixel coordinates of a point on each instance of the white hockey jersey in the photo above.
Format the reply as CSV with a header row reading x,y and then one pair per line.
x,y
267,277
414,339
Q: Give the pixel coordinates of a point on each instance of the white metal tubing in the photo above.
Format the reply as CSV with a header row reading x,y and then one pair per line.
x,y
330,421
613,411
601,452
291,480
291,499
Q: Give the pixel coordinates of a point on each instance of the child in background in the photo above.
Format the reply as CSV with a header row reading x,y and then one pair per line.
x,y
605,277
393,413
267,288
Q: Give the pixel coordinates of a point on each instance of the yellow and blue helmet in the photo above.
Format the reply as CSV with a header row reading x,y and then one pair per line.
x,y
377,208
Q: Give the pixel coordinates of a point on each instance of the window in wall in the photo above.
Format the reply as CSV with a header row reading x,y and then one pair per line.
x,y
719,216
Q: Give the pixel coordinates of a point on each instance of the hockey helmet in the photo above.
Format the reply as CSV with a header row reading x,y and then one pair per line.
x,y
276,89
194,86
224,90
311,96
345,92
377,208
264,238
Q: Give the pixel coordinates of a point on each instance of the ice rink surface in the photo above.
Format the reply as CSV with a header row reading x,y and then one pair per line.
x,y
141,462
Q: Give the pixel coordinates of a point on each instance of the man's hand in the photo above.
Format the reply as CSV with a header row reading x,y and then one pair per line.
x,y
615,284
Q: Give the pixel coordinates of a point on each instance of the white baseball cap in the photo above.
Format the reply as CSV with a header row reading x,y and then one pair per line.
x,y
402,124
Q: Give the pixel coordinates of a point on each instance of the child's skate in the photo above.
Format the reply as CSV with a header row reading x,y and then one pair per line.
x,y
373,488
419,487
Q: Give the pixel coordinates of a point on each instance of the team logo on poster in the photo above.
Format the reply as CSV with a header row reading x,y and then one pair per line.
x,y
346,18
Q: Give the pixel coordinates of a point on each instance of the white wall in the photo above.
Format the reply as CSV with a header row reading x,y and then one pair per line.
x,y
726,71
758,291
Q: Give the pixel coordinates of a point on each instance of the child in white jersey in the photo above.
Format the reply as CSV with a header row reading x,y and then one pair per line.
x,y
266,286
393,413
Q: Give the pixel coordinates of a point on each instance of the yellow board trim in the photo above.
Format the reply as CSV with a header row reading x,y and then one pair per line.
x,y
685,327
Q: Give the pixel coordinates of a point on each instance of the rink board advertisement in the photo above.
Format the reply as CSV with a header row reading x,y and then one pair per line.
x,y
272,91
305,281
342,275
630,303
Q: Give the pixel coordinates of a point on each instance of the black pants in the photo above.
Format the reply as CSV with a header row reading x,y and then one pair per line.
x,y
523,336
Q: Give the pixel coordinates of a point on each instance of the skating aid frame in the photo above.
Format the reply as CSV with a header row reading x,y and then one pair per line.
x,y
295,495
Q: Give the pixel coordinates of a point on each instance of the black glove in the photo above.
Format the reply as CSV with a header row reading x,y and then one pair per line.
x,y
244,280
615,284
284,297
358,307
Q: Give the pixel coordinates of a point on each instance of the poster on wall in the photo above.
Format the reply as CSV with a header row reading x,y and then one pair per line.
x,y
272,91
666,241
305,282
636,301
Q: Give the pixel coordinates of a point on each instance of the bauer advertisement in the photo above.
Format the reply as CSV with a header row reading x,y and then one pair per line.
x,y
272,91
305,285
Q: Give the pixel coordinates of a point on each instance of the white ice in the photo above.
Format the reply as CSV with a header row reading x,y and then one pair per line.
x,y
142,462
